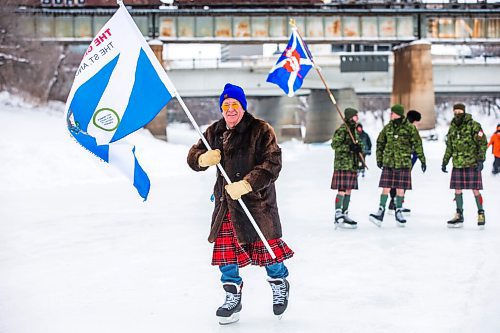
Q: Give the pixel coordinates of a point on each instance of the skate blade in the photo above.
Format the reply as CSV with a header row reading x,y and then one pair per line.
x,y
375,221
402,225
229,320
347,226
481,227
455,226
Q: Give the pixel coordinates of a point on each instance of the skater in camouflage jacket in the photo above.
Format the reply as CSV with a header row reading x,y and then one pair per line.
x,y
395,145
346,166
466,145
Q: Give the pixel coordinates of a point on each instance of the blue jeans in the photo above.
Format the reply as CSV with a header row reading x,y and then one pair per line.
x,y
230,273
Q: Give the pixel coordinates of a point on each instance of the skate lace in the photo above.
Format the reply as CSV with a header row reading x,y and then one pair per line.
x,y
231,301
279,293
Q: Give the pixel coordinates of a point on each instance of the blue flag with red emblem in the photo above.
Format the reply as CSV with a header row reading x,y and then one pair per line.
x,y
292,66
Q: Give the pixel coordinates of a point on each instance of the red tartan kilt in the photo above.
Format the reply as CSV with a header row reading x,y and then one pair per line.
x,y
228,251
395,178
466,178
344,180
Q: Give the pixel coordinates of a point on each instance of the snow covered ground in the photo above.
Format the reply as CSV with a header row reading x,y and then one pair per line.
x,y
81,252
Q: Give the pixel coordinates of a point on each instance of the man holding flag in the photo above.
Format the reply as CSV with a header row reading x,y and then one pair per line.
x,y
248,150
120,87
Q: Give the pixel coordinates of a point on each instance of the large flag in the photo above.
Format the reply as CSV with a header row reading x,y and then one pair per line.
x,y
119,87
292,66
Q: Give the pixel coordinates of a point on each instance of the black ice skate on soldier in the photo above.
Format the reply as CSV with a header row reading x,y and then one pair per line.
x,y
342,220
348,222
400,219
378,217
229,311
458,220
281,289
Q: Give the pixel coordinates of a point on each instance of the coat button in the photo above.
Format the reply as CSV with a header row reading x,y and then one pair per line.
x,y
221,199
238,174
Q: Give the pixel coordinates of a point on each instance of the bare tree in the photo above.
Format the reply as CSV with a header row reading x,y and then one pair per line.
x,y
27,66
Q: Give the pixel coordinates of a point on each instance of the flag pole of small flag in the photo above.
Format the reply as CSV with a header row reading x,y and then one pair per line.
x,y
292,66
288,81
119,87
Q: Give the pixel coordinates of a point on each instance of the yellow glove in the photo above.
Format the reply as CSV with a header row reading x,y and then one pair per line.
x,y
236,190
209,158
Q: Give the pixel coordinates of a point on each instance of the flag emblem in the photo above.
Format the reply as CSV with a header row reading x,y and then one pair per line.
x,y
292,66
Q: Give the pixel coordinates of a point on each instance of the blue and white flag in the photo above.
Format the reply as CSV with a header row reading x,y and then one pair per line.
x,y
292,66
119,87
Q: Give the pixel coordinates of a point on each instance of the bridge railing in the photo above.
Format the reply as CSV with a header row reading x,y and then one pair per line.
x,y
270,26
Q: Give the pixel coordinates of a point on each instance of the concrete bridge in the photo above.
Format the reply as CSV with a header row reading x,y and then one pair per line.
x,y
195,78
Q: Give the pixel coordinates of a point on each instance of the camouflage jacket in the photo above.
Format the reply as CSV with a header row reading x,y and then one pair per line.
x,y
345,159
466,143
396,143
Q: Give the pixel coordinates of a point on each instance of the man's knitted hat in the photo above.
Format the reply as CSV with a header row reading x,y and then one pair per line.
x,y
413,116
233,91
398,109
459,106
349,113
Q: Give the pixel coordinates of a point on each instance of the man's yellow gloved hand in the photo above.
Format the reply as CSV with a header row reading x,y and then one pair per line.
x,y
236,190
209,158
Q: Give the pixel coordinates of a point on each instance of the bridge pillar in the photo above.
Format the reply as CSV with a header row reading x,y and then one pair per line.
x,y
158,126
284,114
413,85
322,118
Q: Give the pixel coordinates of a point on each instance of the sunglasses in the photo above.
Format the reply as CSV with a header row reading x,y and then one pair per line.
x,y
234,105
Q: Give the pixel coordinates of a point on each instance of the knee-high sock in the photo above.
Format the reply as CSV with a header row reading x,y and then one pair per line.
x,y
383,200
479,201
459,200
399,201
339,201
347,199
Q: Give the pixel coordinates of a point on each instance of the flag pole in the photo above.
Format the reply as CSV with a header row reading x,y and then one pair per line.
x,y
226,177
330,94
219,166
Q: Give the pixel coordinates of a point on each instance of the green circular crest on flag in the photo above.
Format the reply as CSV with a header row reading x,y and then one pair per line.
x,y
106,119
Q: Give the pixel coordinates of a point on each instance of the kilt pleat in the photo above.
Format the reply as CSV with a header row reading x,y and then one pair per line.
x,y
228,251
395,178
466,178
344,180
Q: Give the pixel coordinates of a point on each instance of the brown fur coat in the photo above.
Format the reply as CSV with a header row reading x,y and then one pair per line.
x,y
249,151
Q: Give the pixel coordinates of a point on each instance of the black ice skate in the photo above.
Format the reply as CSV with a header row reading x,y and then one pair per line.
x,y
348,222
400,219
405,210
378,217
481,219
229,311
281,289
457,221
339,218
